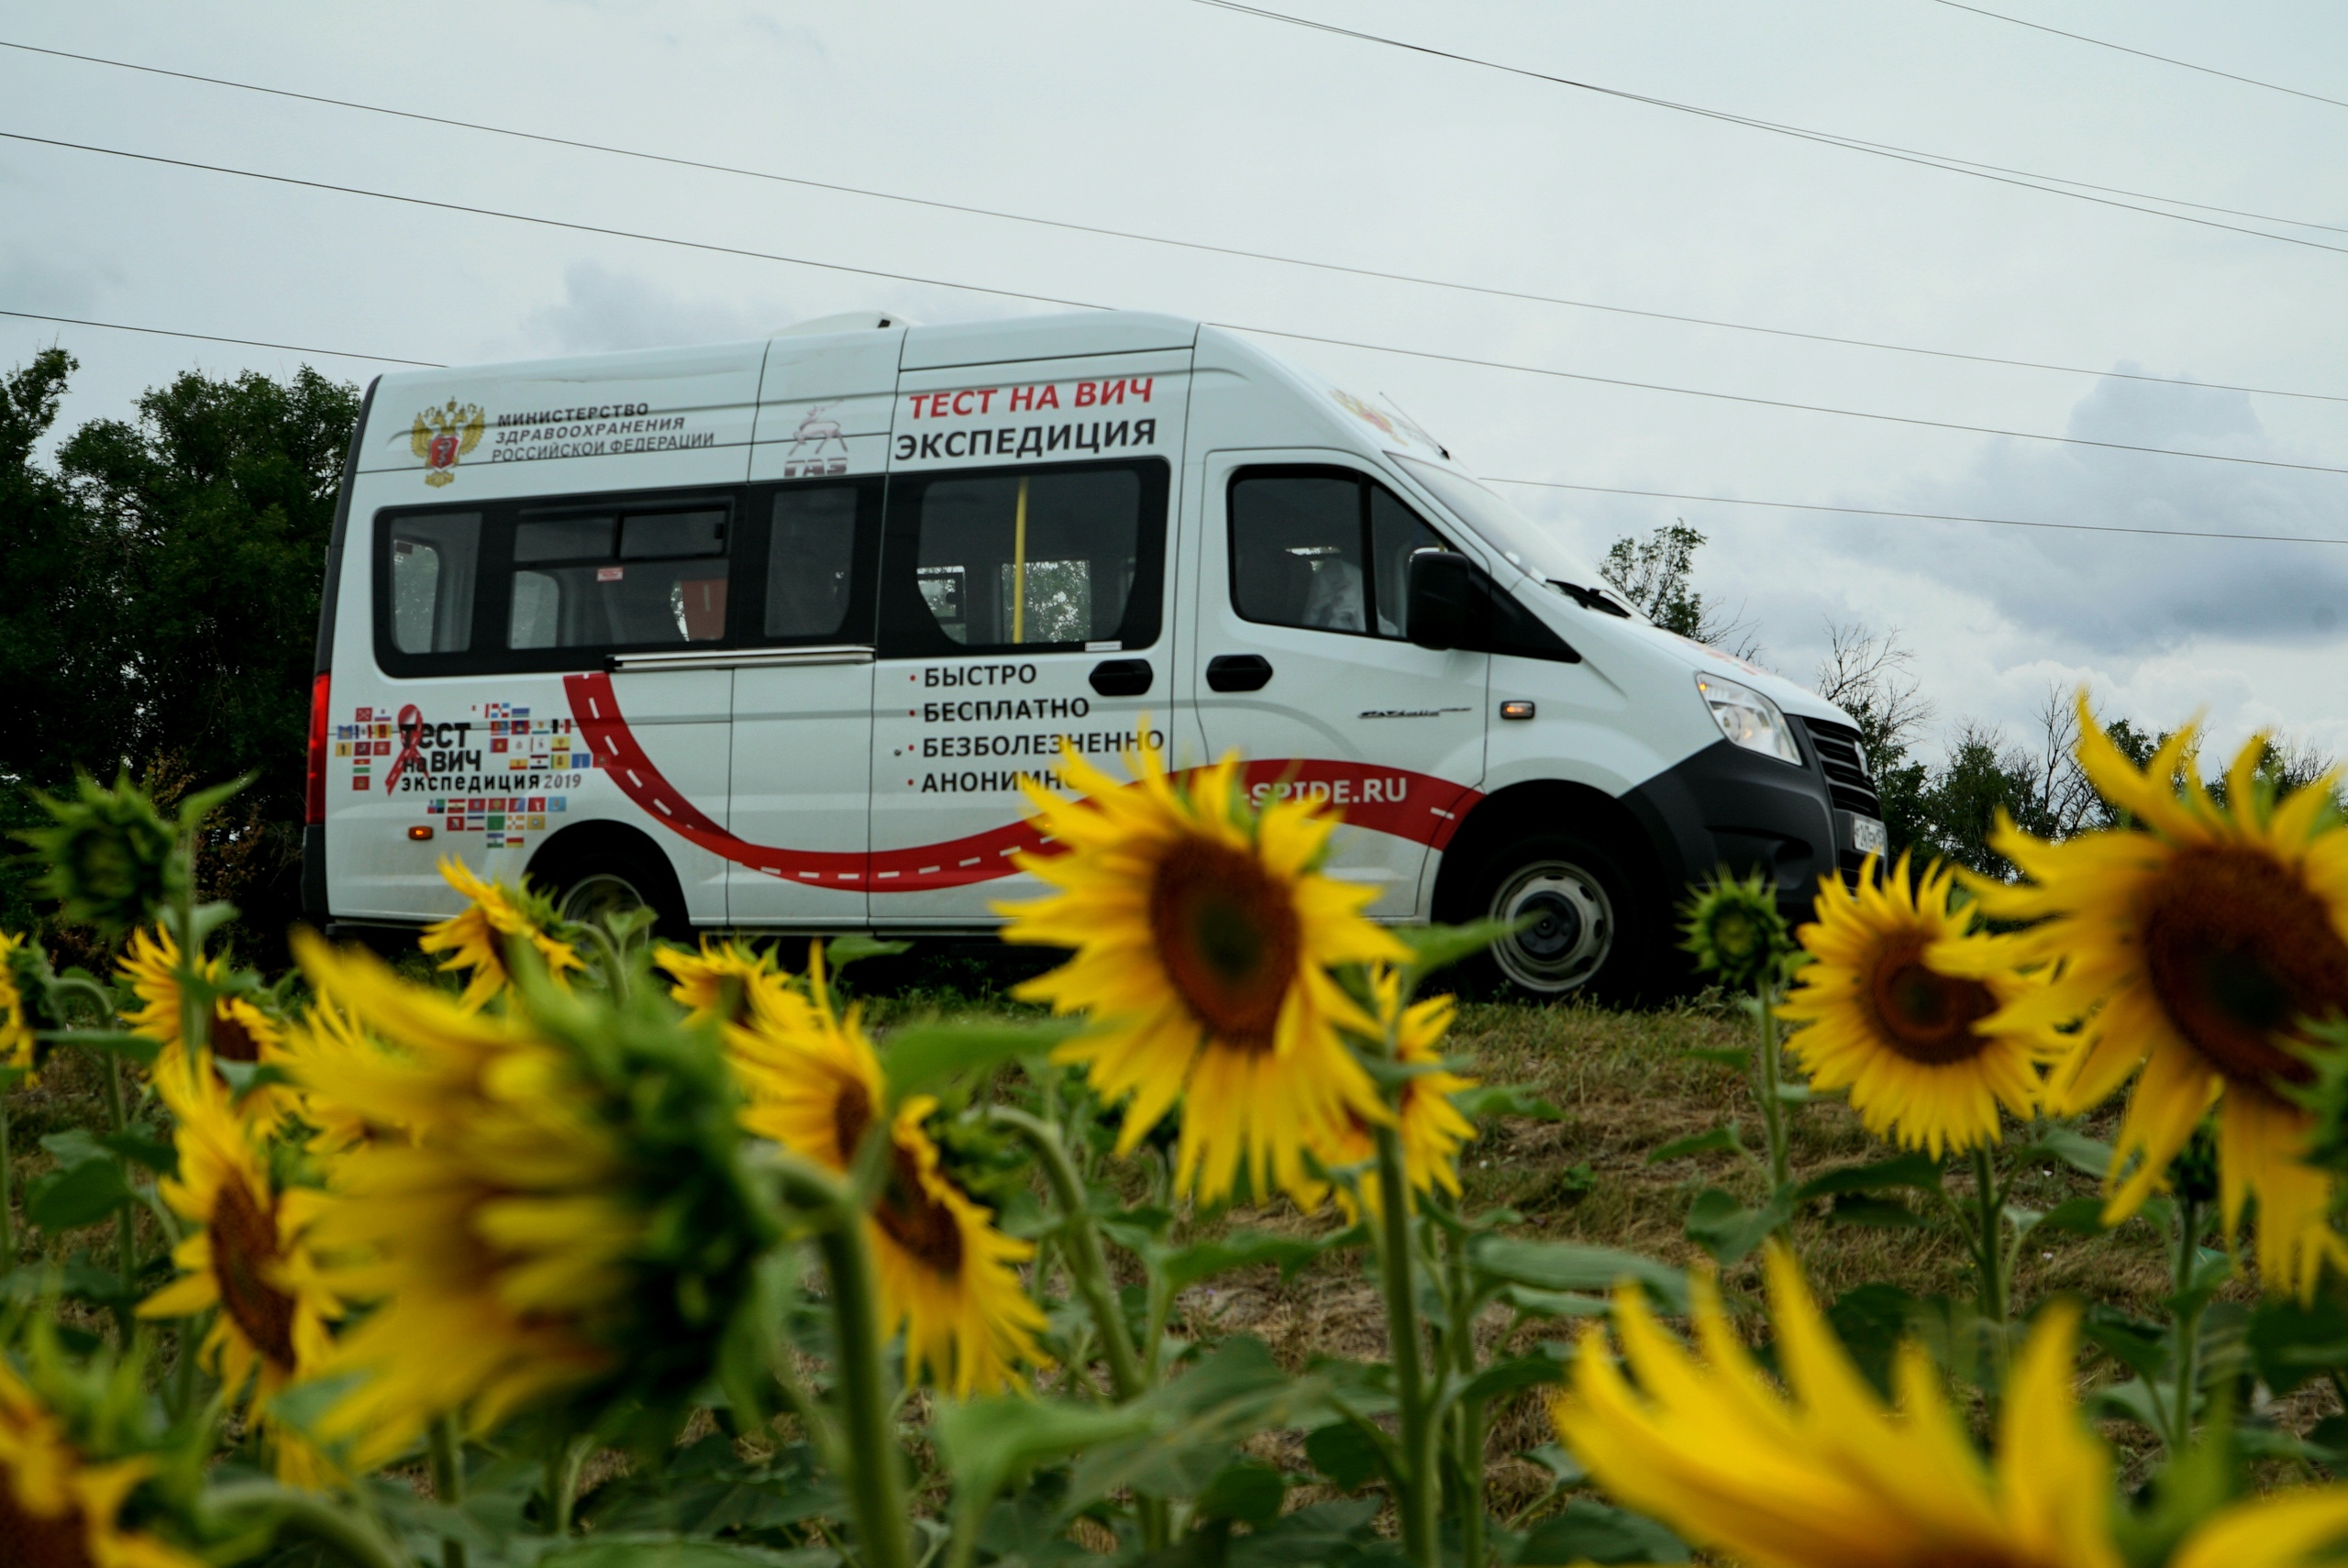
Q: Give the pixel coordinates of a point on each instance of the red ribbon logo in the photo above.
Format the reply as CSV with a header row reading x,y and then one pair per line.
x,y
411,737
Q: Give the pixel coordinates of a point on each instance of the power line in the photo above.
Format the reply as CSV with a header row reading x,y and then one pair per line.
x,y
1198,246
1782,403
1489,478
546,222
1926,516
2052,184
2144,54
1087,305
209,338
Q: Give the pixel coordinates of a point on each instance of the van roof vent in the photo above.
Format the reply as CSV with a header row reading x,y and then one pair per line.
x,y
847,321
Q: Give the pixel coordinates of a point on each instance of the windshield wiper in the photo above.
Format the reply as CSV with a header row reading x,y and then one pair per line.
x,y
1589,598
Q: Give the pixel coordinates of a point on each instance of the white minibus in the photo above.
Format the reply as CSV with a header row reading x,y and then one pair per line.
x,y
764,635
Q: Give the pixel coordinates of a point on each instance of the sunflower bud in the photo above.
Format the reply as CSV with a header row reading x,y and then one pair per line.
x,y
586,1149
1733,928
113,862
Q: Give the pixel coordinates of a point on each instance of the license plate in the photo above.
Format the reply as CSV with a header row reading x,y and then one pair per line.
x,y
1867,835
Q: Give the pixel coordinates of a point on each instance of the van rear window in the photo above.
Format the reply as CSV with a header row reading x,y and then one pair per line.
x,y
548,583
432,564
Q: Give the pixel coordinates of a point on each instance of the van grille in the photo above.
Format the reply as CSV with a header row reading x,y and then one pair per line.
x,y
1846,779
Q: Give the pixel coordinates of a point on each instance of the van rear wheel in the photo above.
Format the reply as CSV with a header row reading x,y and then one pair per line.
x,y
611,875
1583,929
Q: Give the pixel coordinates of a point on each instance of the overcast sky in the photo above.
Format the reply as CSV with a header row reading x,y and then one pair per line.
x,y
1178,118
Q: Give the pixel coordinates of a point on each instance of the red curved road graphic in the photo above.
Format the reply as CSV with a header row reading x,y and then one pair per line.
x,y
1415,806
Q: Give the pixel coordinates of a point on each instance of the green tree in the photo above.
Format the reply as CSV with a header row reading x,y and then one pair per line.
x,y
1657,574
174,562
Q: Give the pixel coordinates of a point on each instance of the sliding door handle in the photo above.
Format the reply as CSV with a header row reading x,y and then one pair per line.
x,y
1238,672
1122,677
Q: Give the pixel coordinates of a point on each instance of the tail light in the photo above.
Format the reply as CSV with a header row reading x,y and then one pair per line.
x,y
320,700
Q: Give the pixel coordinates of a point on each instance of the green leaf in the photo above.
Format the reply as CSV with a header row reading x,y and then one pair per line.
x,y
1554,1303
31,1282
78,1194
1560,1462
990,1443
1871,1321
676,1552
1883,1213
1510,1376
1728,1230
1794,1094
842,950
923,1056
2074,1217
2142,1347
1595,1532
1718,1141
1504,1099
1244,1250
1737,1056
1572,1266
1916,1171
2090,1156
1348,1456
1250,1491
2289,1344
1236,1391
1323,1534
1436,947
160,1158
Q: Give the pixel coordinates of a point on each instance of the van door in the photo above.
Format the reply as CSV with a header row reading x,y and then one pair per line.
x,y
1017,605
1302,662
803,706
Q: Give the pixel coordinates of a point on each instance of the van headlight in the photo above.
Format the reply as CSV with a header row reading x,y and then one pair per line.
x,y
1749,719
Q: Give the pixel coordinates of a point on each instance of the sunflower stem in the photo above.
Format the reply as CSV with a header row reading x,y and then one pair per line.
x,y
1081,1249
1421,1525
449,1482
2189,1319
1988,1255
563,1466
7,1190
125,1234
1773,1113
875,1480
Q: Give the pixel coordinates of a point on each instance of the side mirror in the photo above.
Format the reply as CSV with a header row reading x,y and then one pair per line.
x,y
1447,600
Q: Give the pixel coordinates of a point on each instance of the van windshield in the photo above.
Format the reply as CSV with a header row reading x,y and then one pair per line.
x,y
1530,547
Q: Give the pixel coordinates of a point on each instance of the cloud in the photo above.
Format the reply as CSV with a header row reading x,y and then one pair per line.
x,y
2102,595
605,309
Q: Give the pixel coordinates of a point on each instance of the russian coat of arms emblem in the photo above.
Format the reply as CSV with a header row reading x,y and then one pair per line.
x,y
441,436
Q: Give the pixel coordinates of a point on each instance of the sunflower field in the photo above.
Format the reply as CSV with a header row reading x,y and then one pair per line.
x,y
559,1245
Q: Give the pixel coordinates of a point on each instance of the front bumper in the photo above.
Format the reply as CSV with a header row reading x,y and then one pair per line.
x,y
1727,808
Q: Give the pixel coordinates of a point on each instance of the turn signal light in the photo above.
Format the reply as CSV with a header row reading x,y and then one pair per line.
x,y
1517,710
419,833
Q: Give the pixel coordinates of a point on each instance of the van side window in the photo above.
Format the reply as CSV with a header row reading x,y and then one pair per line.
x,y
1040,558
1326,549
637,579
810,560
432,569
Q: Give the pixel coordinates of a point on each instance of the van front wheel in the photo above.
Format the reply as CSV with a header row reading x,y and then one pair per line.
x,y
1579,927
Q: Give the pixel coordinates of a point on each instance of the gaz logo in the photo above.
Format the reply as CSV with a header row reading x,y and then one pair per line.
x,y
441,436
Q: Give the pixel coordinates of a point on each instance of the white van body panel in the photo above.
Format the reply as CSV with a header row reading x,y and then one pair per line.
x,y
869,780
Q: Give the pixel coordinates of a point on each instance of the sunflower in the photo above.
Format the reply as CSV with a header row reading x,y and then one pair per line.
x,y
325,1037
947,1275
1830,1478
16,1028
1894,1005
56,1509
1430,1126
240,1031
252,1257
1203,938
721,980
475,936
548,1204
2191,941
